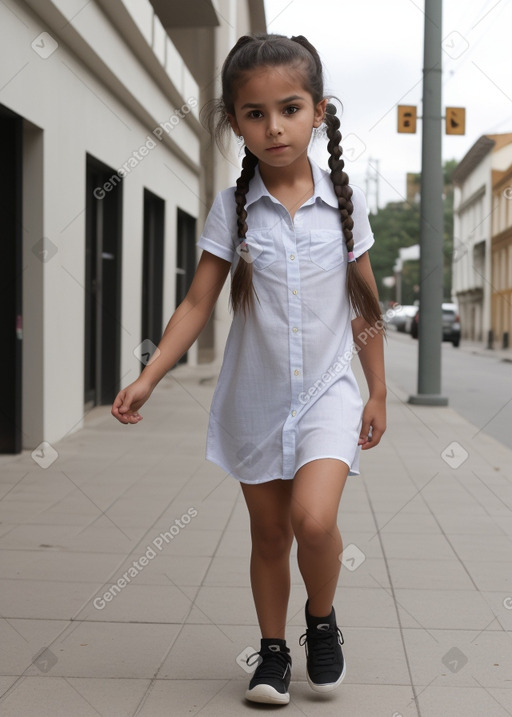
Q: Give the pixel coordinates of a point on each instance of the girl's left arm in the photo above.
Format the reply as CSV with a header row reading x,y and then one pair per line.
x,y
370,346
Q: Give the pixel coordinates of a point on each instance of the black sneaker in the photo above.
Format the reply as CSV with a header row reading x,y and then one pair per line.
x,y
270,682
325,663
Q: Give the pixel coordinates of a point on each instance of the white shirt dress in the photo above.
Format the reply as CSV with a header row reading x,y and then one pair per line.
x,y
286,393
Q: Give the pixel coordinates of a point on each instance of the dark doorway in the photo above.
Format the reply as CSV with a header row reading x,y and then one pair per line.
x,y
103,243
153,268
11,128
185,258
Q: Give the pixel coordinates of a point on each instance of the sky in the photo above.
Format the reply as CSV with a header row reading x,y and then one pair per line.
x,y
372,51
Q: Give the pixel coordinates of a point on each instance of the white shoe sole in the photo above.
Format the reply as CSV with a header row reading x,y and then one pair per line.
x,y
267,695
330,686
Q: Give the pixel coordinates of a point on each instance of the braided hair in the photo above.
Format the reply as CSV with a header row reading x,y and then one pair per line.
x,y
362,298
269,50
242,288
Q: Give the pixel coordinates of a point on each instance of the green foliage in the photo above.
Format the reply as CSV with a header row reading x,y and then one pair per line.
x,y
397,225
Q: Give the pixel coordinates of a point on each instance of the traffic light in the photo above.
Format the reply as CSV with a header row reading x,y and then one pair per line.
x,y
455,120
407,119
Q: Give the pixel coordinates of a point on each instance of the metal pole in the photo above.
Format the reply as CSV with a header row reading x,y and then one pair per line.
x,y
431,230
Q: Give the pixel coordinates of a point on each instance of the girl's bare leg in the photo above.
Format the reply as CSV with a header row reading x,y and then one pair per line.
x,y
317,489
272,536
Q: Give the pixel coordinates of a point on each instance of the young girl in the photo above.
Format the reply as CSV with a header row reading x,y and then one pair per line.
x,y
287,418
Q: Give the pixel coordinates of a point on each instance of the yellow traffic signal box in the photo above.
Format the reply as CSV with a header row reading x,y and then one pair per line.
x,y
407,118
455,120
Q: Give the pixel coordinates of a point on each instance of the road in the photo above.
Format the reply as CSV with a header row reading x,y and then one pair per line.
x,y
477,387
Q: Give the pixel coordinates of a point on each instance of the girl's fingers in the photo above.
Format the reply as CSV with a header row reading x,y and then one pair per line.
x,y
365,432
121,408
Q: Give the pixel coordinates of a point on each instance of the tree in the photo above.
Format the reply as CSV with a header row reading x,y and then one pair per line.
x,y
397,225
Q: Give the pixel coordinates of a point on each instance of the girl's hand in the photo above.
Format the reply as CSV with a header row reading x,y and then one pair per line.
x,y
374,423
128,401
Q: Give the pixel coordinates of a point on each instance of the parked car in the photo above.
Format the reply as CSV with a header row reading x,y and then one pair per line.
x,y
400,317
451,323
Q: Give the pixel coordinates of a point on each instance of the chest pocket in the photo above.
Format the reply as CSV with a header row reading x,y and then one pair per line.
x,y
327,248
262,247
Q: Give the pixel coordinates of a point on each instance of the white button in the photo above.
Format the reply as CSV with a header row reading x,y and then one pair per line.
x,y
295,292
292,256
294,413
295,329
296,373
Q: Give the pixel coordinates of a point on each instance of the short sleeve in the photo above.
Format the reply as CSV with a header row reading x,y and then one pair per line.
x,y
363,234
219,232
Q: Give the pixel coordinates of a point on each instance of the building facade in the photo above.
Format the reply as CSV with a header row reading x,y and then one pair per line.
x,y
501,258
473,218
107,176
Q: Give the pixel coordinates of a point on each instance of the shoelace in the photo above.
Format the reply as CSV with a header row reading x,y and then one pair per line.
x,y
271,664
322,644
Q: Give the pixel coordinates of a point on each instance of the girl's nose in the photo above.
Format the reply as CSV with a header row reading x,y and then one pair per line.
x,y
274,127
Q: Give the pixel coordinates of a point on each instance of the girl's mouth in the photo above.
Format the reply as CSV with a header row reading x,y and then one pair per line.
x,y
277,148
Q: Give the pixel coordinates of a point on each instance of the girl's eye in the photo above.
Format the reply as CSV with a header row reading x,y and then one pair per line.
x,y
254,114
291,109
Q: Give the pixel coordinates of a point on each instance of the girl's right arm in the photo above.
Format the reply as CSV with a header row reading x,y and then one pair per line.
x,y
184,327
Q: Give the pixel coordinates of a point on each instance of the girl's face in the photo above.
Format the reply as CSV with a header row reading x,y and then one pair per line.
x,y
276,115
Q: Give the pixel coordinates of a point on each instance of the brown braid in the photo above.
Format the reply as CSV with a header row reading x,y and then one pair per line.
x,y
362,298
242,288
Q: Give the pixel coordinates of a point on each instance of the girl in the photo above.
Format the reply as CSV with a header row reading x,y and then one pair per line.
x,y
287,418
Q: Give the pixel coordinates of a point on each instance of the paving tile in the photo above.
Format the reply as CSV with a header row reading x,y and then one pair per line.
x,y
58,565
473,547
457,658
108,650
90,539
366,607
222,698
45,599
465,701
428,574
455,523
490,575
402,521
449,609
423,545
375,656
139,603
81,697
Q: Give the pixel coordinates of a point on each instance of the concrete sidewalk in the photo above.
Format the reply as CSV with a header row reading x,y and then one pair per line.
x,y
480,349
425,597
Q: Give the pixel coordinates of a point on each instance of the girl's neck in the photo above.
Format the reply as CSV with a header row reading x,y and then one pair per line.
x,y
297,174
292,186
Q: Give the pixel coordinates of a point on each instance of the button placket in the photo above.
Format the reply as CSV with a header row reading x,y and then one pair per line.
x,y
295,349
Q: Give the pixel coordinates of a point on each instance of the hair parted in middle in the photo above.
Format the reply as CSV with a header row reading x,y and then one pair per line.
x,y
271,50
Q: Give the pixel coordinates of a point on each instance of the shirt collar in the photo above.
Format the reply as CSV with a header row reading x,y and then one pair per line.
x,y
323,187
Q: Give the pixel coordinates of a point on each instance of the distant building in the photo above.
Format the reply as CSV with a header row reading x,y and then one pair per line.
x,y
473,212
106,178
413,187
501,257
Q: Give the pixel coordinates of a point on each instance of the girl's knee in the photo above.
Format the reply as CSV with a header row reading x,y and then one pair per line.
x,y
313,533
272,541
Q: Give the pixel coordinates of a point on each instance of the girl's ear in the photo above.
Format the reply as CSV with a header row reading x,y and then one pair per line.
x,y
320,112
234,126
